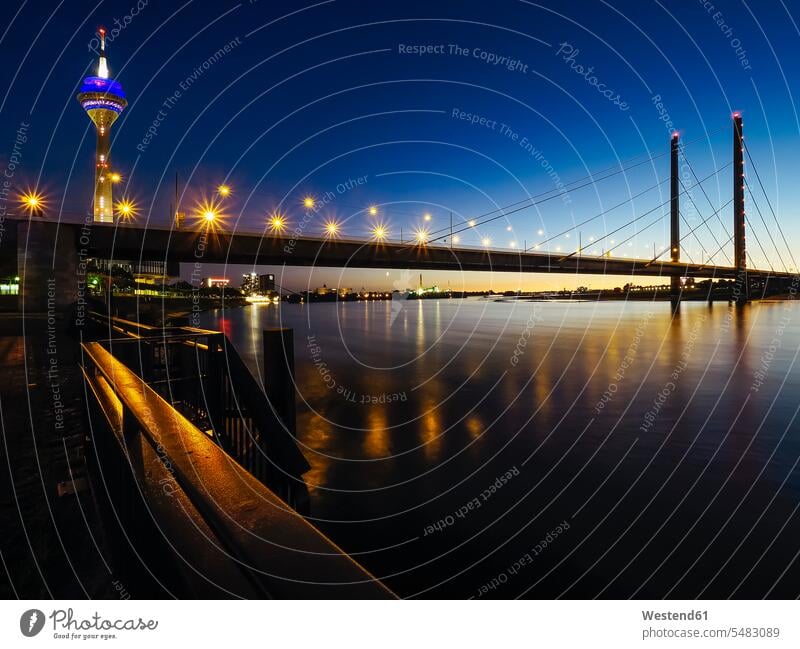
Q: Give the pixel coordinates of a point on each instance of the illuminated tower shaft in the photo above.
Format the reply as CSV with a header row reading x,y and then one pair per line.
x,y
103,196
103,100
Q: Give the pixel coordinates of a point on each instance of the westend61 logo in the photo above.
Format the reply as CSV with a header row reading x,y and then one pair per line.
x,y
68,627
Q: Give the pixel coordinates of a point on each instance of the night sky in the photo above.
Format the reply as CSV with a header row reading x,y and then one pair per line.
x,y
307,96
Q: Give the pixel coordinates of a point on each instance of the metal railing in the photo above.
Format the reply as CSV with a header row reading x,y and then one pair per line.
x,y
189,516
200,374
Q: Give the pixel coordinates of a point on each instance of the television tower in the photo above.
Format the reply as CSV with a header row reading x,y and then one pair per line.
x,y
103,100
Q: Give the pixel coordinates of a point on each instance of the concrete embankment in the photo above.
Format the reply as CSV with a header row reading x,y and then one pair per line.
x,y
51,544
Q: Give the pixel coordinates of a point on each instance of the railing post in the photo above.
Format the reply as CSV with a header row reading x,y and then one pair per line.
x,y
214,385
279,374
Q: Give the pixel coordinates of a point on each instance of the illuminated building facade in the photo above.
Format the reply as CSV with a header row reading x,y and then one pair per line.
x,y
216,282
103,100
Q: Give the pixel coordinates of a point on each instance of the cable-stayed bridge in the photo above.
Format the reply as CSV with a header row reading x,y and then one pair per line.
x,y
44,246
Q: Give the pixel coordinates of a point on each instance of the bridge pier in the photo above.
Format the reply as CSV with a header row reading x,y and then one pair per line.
x,y
47,265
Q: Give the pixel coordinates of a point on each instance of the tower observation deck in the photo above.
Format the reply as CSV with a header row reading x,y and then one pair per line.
x,y
103,100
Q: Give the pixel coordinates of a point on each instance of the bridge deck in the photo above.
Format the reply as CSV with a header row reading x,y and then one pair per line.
x,y
153,244
134,242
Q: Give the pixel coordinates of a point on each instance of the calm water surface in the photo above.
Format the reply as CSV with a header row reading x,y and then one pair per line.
x,y
482,448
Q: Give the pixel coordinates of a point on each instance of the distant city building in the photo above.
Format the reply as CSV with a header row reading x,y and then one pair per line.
x,y
180,217
266,283
103,100
250,284
9,286
142,272
422,290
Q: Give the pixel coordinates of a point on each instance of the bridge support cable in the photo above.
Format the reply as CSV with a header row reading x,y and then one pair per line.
x,y
637,233
692,231
699,241
708,226
533,204
769,203
763,252
711,205
531,201
597,216
747,220
542,197
641,216
730,238
766,227
705,193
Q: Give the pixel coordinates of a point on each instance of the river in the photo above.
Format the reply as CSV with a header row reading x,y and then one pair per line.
x,y
494,449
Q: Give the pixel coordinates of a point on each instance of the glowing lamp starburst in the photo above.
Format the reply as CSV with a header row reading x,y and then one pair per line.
x,y
208,213
331,229
126,209
32,202
421,236
277,223
309,202
380,232
373,210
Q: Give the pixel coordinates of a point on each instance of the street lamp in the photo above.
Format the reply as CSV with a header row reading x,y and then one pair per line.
x,y
331,229
32,202
224,191
126,209
277,223
380,232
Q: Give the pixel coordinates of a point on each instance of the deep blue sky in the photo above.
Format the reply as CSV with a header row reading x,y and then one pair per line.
x,y
304,102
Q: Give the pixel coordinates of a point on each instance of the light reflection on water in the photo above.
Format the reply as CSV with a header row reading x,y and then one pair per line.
x,y
424,406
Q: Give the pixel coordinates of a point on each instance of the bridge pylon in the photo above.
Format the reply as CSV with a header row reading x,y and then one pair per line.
x,y
674,210
741,288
